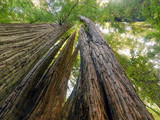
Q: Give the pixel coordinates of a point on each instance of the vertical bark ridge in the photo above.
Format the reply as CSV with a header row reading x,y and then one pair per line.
x,y
86,101
55,79
123,101
21,47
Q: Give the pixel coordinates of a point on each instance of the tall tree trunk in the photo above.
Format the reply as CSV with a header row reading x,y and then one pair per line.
x,y
21,47
103,92
22,99
53,95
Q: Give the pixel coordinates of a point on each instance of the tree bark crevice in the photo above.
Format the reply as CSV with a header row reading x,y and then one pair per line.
x,y
103,92
18,75
53,96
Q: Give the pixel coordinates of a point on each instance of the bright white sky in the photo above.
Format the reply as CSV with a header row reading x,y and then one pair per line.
x,y
36,2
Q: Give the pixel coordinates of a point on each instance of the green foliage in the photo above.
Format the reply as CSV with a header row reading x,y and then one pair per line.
x,y
139,66
67,11
5,10
144,78
151,11
57,11
23,11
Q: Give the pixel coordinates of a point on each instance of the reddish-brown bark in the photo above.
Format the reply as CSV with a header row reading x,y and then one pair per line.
x,y
102,92
53,95
54,32
23,98
21,47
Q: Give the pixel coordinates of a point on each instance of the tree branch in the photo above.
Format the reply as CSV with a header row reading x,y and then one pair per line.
x,y
73,8
70,12
153,110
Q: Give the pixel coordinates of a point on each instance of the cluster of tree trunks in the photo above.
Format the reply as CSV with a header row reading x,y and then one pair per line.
x,y
53,95
33,99
21,47
22,101
102,91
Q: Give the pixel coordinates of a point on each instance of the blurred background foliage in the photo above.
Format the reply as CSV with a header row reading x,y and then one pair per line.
x,y
131,28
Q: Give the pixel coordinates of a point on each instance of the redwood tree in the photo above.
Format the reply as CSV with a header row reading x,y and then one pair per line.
x,y
53,95
33,85
102,92
21,47
29,40
28,99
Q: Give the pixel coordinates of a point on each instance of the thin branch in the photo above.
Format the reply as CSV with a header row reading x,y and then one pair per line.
x,y
69,12
74,7
153,110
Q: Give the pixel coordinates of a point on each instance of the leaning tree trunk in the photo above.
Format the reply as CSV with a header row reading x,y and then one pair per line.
x,y
103,92
53,95
22,99
21,47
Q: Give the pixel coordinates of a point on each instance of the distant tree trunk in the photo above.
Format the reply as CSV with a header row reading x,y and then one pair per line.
x,y
53,95
103,92
21,47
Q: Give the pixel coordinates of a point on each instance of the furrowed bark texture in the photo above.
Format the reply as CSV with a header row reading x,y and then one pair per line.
x,y
24,96
103,91
21,47
53,95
